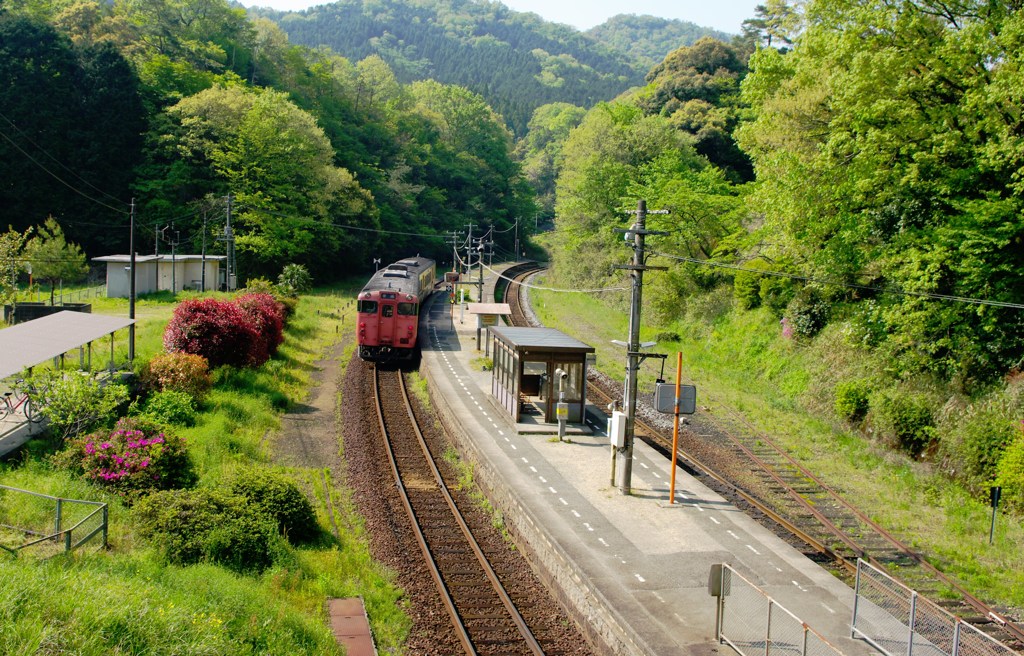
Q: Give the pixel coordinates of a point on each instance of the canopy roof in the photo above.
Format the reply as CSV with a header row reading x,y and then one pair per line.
x,y
540,340
489,308
33,342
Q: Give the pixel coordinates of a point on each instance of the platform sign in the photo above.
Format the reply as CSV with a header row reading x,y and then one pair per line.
x,y
665,399
562,411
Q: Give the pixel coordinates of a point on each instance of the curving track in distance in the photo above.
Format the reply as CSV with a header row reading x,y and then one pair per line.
x,y
483,616
777,486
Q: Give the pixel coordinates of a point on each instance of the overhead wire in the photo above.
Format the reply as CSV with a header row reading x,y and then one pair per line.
x,y
836,283
554,289
58,178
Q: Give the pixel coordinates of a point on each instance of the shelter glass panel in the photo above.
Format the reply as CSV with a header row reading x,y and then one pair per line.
x,y
573,385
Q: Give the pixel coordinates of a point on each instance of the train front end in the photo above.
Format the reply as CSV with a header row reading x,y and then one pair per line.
x,y
387,325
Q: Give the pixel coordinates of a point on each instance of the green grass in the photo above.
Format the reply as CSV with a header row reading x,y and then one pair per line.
x,y
125,600
739,362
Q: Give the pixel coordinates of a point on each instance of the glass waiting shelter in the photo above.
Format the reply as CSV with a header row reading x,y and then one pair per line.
x,y
525,364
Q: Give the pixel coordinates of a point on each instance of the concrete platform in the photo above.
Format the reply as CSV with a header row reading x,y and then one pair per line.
x,y
15,431
633,569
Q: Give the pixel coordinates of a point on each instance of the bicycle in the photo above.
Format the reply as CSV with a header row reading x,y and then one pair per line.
x,y
15,399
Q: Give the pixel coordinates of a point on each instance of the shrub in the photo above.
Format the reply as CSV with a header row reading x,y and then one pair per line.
x,y
852,400
170,407
208,525
267,317
746,288
179,371
974,446
259,286
1010,472
776,293
75,403
294,280
133,458
808,313
219,331
906,418
280,498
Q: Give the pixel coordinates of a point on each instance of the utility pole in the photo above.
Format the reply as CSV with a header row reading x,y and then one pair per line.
x,y
469,255
202,275
517,239
174,246
131,283
229,242
634,356
480,261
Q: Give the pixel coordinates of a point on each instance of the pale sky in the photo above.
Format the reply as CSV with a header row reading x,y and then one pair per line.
x,y
724,15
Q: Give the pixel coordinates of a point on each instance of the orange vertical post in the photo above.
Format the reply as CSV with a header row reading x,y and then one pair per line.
x,y
675,428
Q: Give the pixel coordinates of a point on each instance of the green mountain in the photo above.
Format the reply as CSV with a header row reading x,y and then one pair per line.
x,y
648,39
517,61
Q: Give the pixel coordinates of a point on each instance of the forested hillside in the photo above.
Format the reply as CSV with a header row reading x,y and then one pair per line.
x,y
861,187
648,39
516,61
170,107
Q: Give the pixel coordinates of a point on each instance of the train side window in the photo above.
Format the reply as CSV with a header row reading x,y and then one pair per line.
x,y
367,307
407,309
387,310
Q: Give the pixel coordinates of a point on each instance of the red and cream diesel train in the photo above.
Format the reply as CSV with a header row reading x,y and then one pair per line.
x,y
388,310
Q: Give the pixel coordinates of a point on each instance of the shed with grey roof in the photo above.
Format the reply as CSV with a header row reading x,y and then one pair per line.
x,y
525,364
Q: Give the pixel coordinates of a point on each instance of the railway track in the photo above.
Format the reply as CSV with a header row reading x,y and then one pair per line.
x,y
775,485
482,613
510,289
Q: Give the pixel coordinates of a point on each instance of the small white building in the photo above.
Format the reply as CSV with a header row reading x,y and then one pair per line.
x,y
155,273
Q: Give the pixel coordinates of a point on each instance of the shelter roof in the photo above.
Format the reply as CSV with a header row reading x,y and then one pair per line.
x,y
33,342
489,308
540,339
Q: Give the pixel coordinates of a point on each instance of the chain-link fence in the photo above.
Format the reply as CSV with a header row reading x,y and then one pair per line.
x,y
43,525
893,618
754,624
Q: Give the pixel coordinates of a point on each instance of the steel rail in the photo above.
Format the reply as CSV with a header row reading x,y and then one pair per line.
x,y
760,506
435,574
807,505
516,617
970,599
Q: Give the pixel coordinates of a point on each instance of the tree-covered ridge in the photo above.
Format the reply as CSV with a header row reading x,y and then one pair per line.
x,y
516,61
888,153
188,111
648,39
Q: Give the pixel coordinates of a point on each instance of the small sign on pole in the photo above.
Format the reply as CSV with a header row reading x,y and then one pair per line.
x,y
994,493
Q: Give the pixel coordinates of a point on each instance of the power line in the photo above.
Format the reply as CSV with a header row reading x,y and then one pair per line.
x,y
836,283
60,179
556,289
55,160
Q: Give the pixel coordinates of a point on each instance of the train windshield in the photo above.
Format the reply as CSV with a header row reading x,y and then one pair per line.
x,y
387,310
407,309
367,307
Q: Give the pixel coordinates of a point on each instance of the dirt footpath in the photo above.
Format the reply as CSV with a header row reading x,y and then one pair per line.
x,y
309,431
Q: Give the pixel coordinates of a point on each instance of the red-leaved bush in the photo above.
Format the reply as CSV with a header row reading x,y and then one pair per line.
x,y
267,316
220,331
